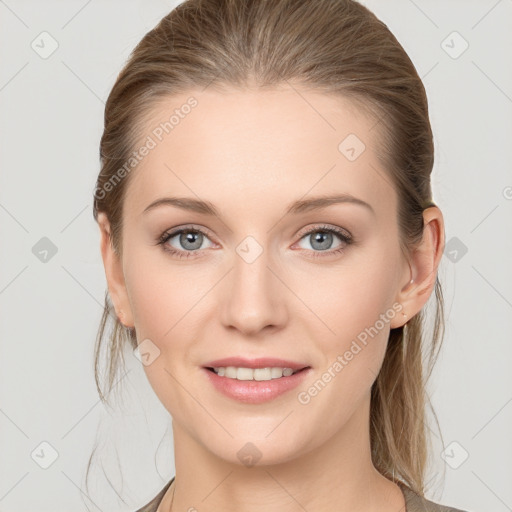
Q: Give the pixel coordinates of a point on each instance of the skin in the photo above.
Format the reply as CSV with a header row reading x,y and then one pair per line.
x,y
251,154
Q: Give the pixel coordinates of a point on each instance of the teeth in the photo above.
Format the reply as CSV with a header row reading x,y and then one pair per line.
x,y
232,372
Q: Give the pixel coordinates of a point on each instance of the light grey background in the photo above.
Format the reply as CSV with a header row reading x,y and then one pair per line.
x,y
50,125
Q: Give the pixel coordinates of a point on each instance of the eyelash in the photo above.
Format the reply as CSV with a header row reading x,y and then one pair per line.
x,y
345,238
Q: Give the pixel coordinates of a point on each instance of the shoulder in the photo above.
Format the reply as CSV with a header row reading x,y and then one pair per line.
x,y
416,503
153,504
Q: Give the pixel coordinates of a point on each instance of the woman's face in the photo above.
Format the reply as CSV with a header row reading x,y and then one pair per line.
x,y
265,279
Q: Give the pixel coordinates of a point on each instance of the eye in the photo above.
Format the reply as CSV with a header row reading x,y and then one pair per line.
x,y
321,239
186,242
183,242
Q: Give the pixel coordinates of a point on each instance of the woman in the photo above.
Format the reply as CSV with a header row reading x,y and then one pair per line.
x,y
270,241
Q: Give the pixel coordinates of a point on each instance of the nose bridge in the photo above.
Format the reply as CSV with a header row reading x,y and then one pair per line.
x,y
253,297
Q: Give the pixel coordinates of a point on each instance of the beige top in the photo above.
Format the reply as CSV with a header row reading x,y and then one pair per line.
x,y
413,502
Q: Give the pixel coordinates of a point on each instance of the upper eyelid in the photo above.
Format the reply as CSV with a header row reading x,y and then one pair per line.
x,y
325,227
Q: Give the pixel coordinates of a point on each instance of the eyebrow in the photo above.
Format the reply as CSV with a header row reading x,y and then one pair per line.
x,y
300,206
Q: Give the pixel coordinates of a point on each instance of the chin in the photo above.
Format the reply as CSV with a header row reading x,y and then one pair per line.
x,y
251,451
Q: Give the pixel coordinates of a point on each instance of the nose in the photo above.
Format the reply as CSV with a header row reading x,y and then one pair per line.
x,y
253,297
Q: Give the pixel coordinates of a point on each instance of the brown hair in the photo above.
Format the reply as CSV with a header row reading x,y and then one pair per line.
x,y
334,46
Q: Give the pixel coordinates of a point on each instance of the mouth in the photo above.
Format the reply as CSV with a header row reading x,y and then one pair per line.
x,y
254,381
256,374
255,385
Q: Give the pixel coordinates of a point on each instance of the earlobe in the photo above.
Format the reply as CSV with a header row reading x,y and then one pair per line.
x,y
114,273
424,263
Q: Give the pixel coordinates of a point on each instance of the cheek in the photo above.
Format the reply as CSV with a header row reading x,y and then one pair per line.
x,y
352,297
162,296
160,293
355,303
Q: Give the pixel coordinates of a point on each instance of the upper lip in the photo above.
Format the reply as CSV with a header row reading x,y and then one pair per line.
x,y
261,362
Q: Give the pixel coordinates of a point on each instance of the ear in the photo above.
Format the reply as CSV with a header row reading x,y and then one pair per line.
x,y
114,273
420,278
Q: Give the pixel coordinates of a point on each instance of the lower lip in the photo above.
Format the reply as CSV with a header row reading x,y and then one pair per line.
x,y
255,391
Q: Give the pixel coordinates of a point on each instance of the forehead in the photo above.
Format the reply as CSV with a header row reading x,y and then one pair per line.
x,y
239,146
